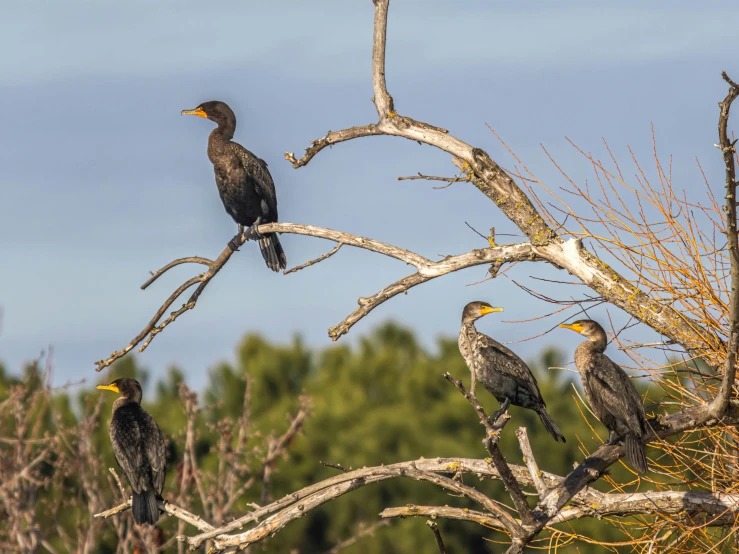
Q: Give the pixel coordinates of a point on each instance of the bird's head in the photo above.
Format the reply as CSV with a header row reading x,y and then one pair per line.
x,y
126,387
216,111
475,310
586,327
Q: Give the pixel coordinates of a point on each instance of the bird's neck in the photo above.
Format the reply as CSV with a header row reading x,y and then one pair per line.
x,y
469,321
225,129
218,143
597,344
122,401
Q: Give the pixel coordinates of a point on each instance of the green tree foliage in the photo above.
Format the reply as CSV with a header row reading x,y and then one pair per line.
x,y
380,401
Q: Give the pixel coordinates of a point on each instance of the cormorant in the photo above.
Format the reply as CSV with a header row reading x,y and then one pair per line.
x,y
244,183
500,371
611,394
139,449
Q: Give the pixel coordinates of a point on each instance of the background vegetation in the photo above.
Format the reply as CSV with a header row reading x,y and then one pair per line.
x,y
380,401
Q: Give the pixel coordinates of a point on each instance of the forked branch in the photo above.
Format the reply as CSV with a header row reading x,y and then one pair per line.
x,y
585,503
496,184
425,271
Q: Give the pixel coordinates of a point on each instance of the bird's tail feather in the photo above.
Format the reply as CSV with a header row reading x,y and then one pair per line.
x,y
144,507
272,252
550,426
634,450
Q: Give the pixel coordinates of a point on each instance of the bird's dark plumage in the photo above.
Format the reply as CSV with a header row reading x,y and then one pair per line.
x,y
611,394
244,182
501,372
139,449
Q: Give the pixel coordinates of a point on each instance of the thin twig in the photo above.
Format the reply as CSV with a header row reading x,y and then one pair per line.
x,y
315,261
447,512
334,466
364,530
118,481
437,535
449,180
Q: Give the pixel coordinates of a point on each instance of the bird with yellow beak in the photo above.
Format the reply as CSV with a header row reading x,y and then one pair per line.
x,y
611,394
501,372
138,447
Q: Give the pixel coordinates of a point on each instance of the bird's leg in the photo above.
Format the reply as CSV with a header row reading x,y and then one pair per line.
x,y
503,407
232,243
612,438
252,233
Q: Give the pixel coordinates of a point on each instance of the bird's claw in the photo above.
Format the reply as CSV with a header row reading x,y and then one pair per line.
x,y
252,233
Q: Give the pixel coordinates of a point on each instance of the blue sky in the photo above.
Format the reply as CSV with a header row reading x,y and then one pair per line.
x,y
102,180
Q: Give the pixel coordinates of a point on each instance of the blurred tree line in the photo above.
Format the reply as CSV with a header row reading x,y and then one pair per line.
x,y
380,401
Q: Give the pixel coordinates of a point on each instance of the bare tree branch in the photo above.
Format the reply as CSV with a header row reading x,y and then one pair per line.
x,y
352,479
719,509
448,180
167,507
490,441
411,510
153,328
426,268
530,461
495,183
595,465
721,403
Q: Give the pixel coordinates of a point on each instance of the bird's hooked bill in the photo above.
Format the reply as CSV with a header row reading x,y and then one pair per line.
x,y
489,310
109,387
572,326
197,111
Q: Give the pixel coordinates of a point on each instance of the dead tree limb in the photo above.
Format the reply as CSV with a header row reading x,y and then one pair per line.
x,y
447,512
426,270
497,185
492,436
167,507
728,150
530,461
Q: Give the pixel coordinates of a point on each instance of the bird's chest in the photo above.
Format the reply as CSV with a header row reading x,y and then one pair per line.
x,y
125,427
585,366
237,192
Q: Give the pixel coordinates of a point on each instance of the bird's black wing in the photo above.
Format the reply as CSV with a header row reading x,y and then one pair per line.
x,y
616,393
125,435
507,362
155,451
256,169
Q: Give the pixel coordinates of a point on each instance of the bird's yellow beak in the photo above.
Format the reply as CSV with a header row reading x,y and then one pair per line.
x,y
108,387
489,310
197,111
573,326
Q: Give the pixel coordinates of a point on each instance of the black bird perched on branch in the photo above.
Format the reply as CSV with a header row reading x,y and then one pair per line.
x,y
244,183
139,449
500,371
611,394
